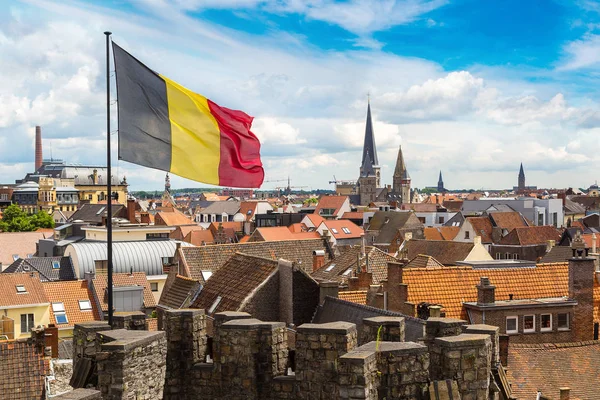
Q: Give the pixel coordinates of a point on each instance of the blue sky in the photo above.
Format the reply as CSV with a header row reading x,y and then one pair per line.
x,y
469,87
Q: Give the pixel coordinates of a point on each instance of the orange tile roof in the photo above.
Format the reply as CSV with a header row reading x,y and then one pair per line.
x,y
449,232
137,279
69,293
315,219
432,234
172,218
298,227
182,231
244,239
352,215
336,229
482,227
354,296
8,290
531,235
200,237
20,243
248,209
451,286
508,220
423,261
274,233
330,202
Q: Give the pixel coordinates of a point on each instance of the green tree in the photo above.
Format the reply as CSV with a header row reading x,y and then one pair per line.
x,y
42,219
16,220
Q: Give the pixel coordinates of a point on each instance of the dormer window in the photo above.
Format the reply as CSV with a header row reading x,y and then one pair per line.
x,y
467,234
21,289
15,257
55,265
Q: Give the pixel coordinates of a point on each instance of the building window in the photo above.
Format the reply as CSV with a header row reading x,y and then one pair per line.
x,y
26,323
515,256
154,286
421,219
467,234
545,322
55,265
334,230
85,305
528,323
157,236
21,289
346,230
328,269
498,256
512,325
563,321
59,313
540,219
214,305
440,220
555,219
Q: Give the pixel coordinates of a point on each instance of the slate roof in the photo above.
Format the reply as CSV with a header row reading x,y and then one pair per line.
x,y
179,291
93,213
548,367
45,267
441,232
69,293
378,261
507,220
482,226
333,310
330,202
572,207
211,258
423,261
220,207
234,282
23,371
451,286
388,223
20,244
34,292
531,235
137,279
558,254
446,252
354,296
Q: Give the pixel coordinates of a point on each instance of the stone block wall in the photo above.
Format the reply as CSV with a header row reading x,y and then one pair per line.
x,y
84,339
135,321
465,358
132,365
80,394
386,329
318,347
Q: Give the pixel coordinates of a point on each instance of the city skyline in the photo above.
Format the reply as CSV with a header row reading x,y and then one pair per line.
x,y
451,103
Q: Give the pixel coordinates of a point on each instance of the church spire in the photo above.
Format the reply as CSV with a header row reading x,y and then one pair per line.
x,y
367,167
440,185
521,178
369,145
400,170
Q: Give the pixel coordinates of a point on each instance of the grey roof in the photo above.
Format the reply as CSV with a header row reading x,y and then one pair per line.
x,y
367,166
334,309
389,222
369,144
44,265
220,207
65,349
93,213
457,218
142,256
572,207
557,254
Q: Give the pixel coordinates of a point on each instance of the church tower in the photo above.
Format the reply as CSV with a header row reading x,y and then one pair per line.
x,y
521,178
440,186
367,182
401,180
369,149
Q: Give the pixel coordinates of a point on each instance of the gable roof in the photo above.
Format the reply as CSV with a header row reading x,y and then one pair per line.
x,y
222,207
20,244
508,220
69,293
389,222
451,286
482,226
446,252
34,292
136,279
315,219
343,229
211,258
441,232
548,367
182,231
199,237
93,213
423,261
172,218
330,202
336,269
248,209
226,282
557,254
45,267
179,292
531,235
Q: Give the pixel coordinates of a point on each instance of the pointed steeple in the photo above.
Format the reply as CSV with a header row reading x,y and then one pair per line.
x,y
367,166
521,178
400,170
440,186
369,145
440,178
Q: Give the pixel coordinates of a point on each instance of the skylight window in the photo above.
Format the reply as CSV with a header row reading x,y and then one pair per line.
x,y
346,230
59,313
100,211
15,257
58,307
21,289
206,275
85,305
347,272
328,269
55,265
214,305
334,230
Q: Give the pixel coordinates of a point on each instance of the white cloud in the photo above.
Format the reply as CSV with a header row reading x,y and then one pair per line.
x,y
582,53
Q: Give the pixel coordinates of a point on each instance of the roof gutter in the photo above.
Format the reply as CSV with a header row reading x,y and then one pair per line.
x,y
24,306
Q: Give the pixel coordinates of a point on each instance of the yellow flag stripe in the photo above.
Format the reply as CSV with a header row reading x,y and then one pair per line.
x,y
195,135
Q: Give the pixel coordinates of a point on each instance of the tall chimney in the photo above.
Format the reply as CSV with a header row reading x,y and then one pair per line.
x,y
38,147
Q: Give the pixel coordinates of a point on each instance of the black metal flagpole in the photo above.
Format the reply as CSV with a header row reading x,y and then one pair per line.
x,y
109,186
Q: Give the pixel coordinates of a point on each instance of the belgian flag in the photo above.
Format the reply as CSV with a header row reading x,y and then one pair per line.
x,y
165,126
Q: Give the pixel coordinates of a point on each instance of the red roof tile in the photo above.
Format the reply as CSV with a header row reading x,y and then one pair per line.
x,y
137,279
508,220
531,235
482,226
23,371
352,215
343,229
34,292
172,218
199,237
354,296
69,293
274,233
331,203
20,244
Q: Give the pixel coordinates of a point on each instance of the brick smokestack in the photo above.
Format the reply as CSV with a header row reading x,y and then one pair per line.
x,y
38,147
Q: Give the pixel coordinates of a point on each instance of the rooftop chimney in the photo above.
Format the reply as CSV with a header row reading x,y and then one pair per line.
x,y
486,292
38,147
318,259
565,393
